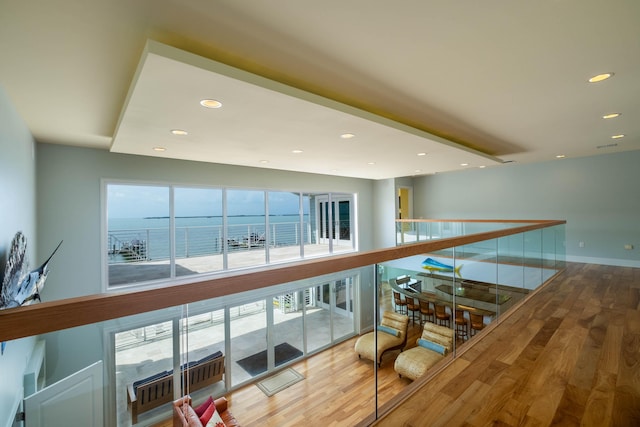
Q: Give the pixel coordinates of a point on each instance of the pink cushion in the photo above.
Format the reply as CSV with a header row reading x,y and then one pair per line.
x,y
206,415
203,406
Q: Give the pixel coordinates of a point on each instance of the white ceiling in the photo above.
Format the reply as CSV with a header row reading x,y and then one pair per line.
x,y
505,79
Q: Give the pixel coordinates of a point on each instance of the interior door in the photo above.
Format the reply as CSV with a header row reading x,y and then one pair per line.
x,y
72,401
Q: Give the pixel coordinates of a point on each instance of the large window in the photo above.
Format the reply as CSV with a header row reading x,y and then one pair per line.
x,y
157,233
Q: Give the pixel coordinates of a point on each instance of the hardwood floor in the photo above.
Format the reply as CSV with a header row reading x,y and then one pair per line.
x,y
569,356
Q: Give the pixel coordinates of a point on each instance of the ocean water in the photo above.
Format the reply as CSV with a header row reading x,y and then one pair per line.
x,y
197,236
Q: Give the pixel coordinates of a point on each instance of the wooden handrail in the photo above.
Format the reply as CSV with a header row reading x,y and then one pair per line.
x,y
72,312
496,221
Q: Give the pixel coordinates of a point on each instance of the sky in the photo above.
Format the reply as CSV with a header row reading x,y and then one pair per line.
x,y
141,201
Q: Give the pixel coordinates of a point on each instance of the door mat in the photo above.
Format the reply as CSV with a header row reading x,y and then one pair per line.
x,y
257,363
280,381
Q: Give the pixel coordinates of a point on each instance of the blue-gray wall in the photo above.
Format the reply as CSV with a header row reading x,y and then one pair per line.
x,y
17,213
69,197
598,197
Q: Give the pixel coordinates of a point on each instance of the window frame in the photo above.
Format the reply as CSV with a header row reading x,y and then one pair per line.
x,y
304,219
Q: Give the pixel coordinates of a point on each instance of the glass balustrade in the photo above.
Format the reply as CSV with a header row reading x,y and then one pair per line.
x,y
243,337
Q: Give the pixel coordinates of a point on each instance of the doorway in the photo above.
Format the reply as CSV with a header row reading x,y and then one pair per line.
x,y
334,221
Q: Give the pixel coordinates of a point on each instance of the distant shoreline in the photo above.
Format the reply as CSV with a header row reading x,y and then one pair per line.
x,y
211,216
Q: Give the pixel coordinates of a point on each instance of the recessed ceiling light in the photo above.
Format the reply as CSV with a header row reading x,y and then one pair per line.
x,y
560,156
179,132
296,151
211,103
422,154
600,77
371,163
159,149
617,136
264,161
417,171
347,136
464,164
482,166
611,116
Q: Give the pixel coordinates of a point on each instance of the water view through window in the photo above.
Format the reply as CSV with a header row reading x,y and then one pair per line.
x,y
161,232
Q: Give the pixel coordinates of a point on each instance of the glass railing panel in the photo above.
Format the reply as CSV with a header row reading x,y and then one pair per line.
x,y
412,231
311,315
511,271
533,271
411,288
553,247
476,295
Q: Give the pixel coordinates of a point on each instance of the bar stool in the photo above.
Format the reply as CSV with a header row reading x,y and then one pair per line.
x,y
444,318
413,307
462,326
477,322
401,305
426,312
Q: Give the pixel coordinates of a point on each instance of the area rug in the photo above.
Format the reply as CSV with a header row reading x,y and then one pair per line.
x,y
257,363
280,381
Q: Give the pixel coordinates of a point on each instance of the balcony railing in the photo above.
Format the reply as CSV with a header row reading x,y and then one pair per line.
x,y
152,244
512,258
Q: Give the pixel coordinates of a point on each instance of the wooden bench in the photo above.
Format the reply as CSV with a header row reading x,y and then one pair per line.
x,y
156,390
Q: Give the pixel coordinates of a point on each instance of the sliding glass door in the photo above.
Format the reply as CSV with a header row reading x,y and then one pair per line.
x,y
331,316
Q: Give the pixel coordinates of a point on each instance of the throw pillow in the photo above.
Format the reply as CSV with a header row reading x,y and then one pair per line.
x,y
432,346
190,416
206,416
216,420
388,330
203,406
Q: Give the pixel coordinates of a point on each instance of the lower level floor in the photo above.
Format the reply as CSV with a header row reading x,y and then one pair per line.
x,y
570,355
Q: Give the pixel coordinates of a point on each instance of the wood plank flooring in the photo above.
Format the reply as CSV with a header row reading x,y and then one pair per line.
x,y
569,356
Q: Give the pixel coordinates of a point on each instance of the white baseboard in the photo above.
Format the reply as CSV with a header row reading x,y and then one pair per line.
x,y
604,261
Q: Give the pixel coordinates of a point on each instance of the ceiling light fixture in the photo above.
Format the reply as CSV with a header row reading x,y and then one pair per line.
x,y
560,156
296,151
600,77
179,132
264,161
210,103
617,136
159,149
611,116
464,164
371,163
347,136
422,154
482,166
613,144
